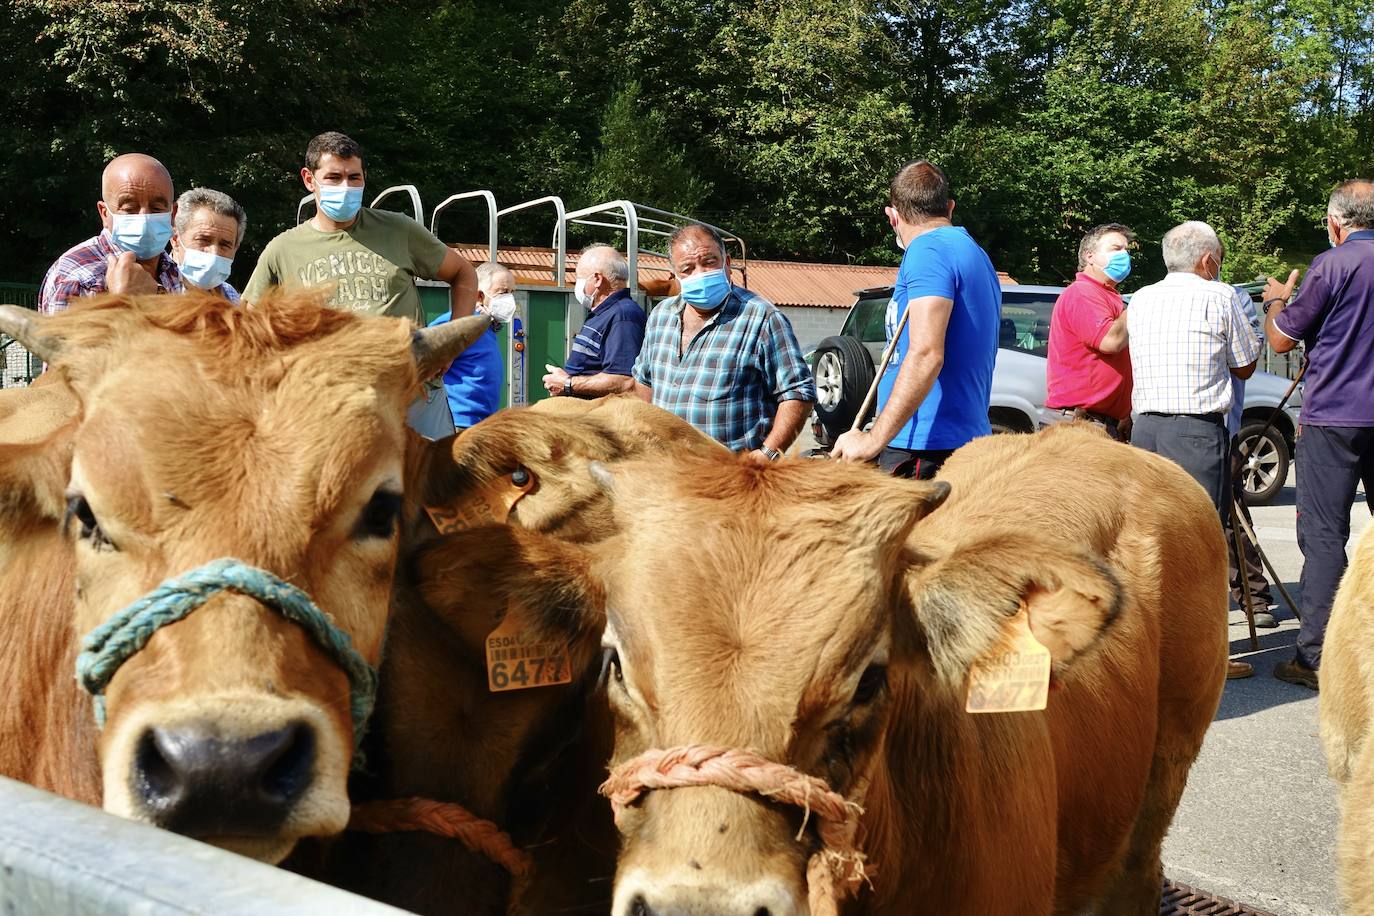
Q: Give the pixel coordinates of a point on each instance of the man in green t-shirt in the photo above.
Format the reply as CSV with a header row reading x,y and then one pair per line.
x,y
370,257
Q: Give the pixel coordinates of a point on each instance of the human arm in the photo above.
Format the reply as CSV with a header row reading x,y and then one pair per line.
x,y
789,381
1244,342
1276,296
461,277
926,324
644,393
263,277
1114,341
787,425
586,386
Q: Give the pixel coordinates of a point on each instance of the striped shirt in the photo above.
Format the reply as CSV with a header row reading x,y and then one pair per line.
x,y
728,380
81,272
1186,334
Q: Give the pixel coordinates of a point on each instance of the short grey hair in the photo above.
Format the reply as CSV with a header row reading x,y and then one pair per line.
x,y
607,261
209,199
1352,203
1186,243
701,230
487,271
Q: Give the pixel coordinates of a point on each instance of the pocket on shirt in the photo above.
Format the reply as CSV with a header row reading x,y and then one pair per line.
x,y
718,377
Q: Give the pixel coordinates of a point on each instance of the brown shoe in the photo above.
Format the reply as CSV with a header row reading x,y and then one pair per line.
x,y
1238,669
1295,672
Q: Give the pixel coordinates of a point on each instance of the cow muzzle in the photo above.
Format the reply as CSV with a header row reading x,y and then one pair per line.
x,y
833,872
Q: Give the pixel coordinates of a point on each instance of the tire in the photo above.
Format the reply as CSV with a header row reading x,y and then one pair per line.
x,y
1006,420
1266,470
844,373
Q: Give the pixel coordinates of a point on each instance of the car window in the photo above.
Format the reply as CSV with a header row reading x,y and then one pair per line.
x,y
865,321
1026,321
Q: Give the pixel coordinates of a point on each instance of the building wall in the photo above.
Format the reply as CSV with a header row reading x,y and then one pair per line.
x,y
812,324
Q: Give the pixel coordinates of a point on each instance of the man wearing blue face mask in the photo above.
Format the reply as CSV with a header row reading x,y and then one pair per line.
x,y
369,258
129,255
208,230
722,358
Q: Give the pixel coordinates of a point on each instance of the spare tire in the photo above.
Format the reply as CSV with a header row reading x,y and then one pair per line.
x,y
844,372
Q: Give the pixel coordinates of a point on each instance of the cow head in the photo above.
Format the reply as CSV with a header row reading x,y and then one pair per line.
x,y
792,612
272,435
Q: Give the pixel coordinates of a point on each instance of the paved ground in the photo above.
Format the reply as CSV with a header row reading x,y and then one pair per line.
x,y
1258,821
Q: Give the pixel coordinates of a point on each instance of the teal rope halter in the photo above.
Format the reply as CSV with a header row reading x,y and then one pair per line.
x,y
116,640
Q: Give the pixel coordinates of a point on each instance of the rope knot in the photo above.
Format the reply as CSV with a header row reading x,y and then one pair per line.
x,y
834,872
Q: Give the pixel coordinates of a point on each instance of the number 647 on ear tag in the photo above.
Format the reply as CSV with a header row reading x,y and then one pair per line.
x,y
1013,678
515,662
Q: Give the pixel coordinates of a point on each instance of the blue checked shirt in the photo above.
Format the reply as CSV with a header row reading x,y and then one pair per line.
x,y
729,379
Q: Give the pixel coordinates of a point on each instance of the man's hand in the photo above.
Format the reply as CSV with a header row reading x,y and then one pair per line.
x,y
758,457
857,445
556,380
126,277
1273,289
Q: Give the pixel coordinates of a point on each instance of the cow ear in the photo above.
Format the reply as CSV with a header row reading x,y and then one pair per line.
x,y
964,601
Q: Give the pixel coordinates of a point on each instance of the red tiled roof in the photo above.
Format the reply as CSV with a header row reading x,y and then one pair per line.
x,y
783,283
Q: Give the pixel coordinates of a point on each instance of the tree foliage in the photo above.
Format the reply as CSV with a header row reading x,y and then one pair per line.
x,y
780,119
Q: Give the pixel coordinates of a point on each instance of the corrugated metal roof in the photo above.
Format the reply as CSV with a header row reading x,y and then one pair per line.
x,y
783,283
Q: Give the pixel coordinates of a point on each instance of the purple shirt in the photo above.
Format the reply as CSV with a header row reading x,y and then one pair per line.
x,y
1334,315
81,272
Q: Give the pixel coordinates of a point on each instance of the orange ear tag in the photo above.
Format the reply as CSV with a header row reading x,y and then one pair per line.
x,y
1015,677
515,662
492,504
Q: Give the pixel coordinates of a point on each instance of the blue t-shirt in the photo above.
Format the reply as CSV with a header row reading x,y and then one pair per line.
x,y
610,338
947,262
473,382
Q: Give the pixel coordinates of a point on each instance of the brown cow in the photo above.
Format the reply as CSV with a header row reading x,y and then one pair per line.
x,y
1347,697
827,618
529,760
178,430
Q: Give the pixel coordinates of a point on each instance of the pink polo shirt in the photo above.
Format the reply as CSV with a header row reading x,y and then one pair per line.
x,y
1078,374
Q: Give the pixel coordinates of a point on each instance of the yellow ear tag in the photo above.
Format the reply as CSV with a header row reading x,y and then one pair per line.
x,y
1015,677
515,662
491,505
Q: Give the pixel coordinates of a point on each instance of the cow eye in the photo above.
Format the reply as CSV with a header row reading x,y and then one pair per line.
x,y
379,515
79,509
610,667
871,682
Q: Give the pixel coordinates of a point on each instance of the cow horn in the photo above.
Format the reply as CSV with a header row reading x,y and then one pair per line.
x,y
25,326
435,347
603,476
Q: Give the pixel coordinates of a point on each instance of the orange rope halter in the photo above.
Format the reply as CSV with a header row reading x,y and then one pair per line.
x,y
447,819
833,873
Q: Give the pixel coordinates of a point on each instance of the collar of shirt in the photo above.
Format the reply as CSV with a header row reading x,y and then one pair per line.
x,y
612,299
1360,235
1083,275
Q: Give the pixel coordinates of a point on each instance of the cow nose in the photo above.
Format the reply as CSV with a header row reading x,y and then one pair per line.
x,y
197,782
694,903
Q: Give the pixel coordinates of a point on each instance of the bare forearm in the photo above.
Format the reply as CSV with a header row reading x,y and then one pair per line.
x,y
1280,341
788,423
914,381
601,384
462,294
1115,341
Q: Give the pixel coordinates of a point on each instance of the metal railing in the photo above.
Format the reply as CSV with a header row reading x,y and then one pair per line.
x,y
638,219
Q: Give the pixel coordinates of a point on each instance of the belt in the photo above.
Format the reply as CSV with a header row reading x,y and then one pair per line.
x,y
1085,414
1218,418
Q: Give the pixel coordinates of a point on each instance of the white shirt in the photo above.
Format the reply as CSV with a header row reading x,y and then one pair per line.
x,y
1185,335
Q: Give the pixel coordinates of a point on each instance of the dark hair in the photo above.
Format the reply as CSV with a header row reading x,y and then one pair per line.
x,y
333,143
1094,236
695,229
1352,202
920,191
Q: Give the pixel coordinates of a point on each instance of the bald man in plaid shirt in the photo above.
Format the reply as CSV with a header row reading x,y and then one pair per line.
x,y
1189,335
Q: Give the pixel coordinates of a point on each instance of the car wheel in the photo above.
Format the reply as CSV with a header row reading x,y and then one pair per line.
x,y
1007,420
1264,472
844,373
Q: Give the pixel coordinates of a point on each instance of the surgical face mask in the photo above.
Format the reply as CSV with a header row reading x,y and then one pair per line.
x,y
340,202
580,293
501,307
705,291
901,246
204,270
145,234
1118,266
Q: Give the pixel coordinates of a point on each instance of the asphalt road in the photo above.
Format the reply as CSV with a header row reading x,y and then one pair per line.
x,y
1258,820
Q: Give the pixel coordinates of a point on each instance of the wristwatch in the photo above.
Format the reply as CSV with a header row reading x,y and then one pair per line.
x,y
771,454
1268,303
567,387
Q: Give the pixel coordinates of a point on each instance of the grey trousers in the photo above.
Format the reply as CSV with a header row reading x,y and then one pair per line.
x,y
1196,444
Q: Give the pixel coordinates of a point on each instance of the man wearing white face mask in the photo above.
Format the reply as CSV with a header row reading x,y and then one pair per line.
x,y
473,382
130,254
369,258
722,358
207,232
605,349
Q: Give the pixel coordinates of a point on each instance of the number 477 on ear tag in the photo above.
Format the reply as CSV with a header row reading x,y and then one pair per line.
x,y
1013,678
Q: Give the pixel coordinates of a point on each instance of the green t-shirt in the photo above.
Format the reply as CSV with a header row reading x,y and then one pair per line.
x,y
372,264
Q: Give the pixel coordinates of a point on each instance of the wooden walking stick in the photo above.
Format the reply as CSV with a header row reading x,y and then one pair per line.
x,y
887,358
1244,575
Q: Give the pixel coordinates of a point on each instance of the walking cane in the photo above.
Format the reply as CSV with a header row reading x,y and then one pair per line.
x,y
887,358
1264,558
1244,578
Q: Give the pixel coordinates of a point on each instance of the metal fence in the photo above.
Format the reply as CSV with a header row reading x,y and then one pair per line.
x,y
18,366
